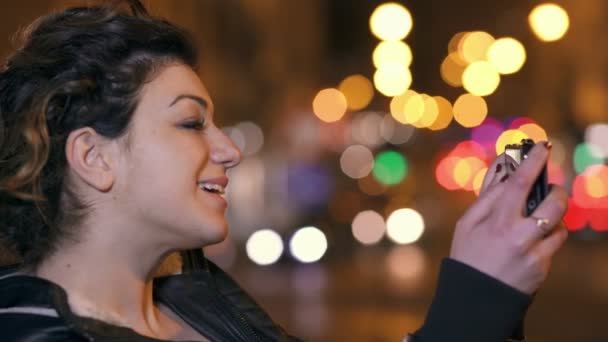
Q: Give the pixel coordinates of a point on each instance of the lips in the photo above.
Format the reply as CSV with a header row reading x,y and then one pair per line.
x,y
214,185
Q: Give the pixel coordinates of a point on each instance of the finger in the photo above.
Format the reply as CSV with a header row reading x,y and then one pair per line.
x,y
508,166
553,208
483,206
520,182
548,246
496,171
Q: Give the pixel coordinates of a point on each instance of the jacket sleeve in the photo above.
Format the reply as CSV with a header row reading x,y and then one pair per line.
x,y
35,328
472,306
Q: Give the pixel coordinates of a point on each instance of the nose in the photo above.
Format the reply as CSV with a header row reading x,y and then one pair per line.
x,y
225,151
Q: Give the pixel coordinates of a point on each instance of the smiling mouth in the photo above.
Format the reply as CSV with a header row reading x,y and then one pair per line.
x,y
212,188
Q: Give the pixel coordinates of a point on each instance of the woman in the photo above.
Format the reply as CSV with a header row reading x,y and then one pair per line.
x,y
111,162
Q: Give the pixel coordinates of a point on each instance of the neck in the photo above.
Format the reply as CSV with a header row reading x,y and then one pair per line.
x,y
111,281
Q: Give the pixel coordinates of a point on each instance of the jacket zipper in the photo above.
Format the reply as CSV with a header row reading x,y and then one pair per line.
x,y
236,313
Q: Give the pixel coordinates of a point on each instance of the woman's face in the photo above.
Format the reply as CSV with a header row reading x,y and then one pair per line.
x,y
172,176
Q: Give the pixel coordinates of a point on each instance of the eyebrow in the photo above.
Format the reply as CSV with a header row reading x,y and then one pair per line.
x,y
202,102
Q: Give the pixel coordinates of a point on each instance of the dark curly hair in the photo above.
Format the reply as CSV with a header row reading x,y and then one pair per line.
x,y
81,67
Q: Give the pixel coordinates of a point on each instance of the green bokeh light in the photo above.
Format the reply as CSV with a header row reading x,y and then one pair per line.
x,y
390,168
586,155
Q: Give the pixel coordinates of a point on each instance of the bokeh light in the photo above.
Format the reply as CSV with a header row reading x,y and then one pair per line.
x,y
395,132
549,22
398,103
253,137
470,110
413,109
392,52
597,135
368,227
406,266
507,55
430,113
445,114
478,180
487,133
508,137
365,129
358,91
474,46
357,161
534,132
480,78
452,69
405,226
264,247
370,186
390,168
391,21
392,79
329,105
586,155
308,244
444,172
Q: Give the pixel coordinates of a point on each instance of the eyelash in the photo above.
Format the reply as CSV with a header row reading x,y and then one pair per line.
x,y
198,125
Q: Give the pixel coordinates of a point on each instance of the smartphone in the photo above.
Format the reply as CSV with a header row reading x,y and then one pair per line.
x,y
540,189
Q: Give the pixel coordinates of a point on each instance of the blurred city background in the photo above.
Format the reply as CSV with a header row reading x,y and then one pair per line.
x,y
367,127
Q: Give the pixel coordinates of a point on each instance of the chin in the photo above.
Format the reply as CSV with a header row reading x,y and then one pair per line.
x,y
210,234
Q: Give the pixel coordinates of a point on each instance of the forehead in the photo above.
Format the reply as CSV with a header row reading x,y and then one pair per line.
x,y
170,82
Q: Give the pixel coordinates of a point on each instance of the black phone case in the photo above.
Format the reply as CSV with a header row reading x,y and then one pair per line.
x,y
540,189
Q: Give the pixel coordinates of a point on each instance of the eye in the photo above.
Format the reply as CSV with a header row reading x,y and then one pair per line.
x,y
198,125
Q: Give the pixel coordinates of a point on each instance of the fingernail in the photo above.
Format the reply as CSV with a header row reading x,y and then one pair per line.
x,y
512,166
504,178
498,168
548,145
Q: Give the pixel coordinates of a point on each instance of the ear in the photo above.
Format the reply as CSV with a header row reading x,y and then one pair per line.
x,y
89,156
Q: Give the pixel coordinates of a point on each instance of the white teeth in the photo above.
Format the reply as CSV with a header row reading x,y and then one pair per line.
x,y
216,188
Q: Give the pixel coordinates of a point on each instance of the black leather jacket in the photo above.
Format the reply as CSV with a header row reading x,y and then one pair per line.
x,y
33,309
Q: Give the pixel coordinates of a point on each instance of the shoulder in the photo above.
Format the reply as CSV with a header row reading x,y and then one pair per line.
x,y
19,325
26,313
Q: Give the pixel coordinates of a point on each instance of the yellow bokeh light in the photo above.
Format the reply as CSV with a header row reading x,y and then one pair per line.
x,y
444,115
478,180
392,52
397,105
507,55
391,21
329,105
510,136
392,79
430,112
470,110
456,40
534,132
452,69
480,78
413,109
595,186
549,22
474,46
358,90
462,172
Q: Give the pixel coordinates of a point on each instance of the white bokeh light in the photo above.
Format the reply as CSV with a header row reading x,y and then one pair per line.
x,y
405,226
264,247
308,244
357,161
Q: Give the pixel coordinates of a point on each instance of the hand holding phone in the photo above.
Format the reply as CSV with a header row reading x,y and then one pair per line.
x,y
540,189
